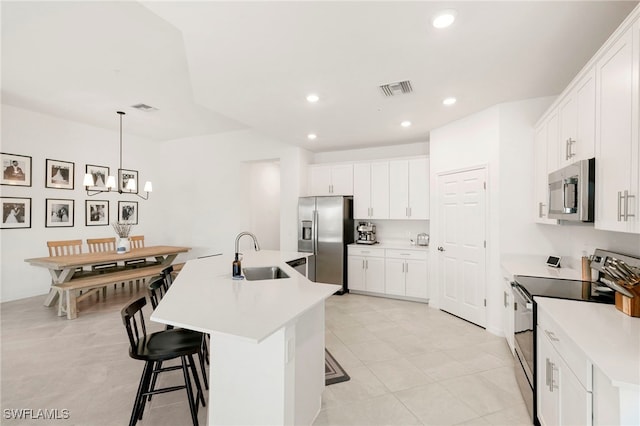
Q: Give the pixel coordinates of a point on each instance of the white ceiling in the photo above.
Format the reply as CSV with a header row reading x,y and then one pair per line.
x,y
212,67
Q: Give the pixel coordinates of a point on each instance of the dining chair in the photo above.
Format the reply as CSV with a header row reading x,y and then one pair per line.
x,y
64,247
158,347
103,245
137,241
157,288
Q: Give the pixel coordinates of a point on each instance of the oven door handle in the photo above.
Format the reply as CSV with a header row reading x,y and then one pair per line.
x,y
523,295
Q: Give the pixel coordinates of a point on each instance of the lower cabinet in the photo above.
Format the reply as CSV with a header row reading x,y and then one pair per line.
x,y
365,269
388,271
508,310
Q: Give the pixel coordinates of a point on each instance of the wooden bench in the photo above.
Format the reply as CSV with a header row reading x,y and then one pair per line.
x,y
67,292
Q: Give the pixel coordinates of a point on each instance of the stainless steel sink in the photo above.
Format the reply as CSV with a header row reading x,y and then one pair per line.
x,y
264,273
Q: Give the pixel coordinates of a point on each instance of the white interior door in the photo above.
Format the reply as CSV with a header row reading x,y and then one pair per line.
x,y
461,246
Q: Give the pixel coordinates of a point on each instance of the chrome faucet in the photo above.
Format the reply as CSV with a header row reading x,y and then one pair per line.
x,y
255,241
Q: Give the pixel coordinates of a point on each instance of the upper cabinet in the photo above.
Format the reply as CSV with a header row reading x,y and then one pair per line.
x,y
336,179
617,140
545,161
371,190
577,111
409,189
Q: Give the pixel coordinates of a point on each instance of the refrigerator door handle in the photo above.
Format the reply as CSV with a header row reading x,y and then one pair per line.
x,y
314,231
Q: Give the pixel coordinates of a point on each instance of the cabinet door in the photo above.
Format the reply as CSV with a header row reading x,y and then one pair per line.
x,y
342,179
395,277
553,142
419,189
398,189
585,99
362,190
319,180
615,142
568,122
547,382
355,273
575,401
416,278
374,274
380,190
540,176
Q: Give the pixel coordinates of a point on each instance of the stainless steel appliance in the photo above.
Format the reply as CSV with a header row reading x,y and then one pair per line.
x,y
366,233
422,239
572,192
325,227
606,264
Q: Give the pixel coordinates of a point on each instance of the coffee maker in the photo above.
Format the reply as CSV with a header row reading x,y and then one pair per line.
x,y
366,233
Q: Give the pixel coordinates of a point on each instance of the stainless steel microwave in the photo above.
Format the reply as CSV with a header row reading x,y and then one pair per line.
x,y
572,192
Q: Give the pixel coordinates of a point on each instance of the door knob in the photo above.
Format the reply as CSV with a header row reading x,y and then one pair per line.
x,y
440,249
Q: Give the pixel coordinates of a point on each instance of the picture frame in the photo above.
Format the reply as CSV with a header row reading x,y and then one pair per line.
x,y
96,212
16,169
16,212
59,174
59,213
128,212
124,175
100,174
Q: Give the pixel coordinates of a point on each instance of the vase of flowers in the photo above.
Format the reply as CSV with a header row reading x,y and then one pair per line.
x,y
123,229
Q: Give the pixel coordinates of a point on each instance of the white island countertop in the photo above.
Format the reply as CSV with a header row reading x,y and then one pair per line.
x,y
609,338
205,298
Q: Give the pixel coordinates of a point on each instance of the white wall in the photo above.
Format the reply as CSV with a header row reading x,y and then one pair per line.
x,y
202,194
264,185
45,137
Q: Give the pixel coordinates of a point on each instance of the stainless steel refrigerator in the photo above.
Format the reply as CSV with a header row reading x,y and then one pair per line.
x,y
325,227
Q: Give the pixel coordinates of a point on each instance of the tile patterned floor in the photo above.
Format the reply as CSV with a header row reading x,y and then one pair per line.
x,y
409,364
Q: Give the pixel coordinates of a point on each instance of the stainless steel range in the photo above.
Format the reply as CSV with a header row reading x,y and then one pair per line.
x,y
600,290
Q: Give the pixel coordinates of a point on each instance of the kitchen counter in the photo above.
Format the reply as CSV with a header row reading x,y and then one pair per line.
x,y
397,245
535,266
267,337
609,338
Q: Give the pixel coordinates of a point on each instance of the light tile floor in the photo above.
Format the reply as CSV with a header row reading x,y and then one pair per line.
x,y
409,364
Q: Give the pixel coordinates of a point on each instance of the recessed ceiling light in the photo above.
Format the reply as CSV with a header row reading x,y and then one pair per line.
x,y
449,101
313,98
312,136
444,18
405,123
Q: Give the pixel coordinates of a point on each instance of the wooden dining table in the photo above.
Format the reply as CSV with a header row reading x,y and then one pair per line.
x,y
66,270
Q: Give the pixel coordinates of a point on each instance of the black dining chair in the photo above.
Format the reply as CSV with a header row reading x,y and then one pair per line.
x,y
156,348
157,289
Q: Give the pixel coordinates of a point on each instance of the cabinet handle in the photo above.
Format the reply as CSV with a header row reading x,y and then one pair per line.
x,y
403,267
626,205
546,373
409,211
541,209
504,293
566,149
551,336
570,143
406,267
371,214
620,214
366,262
552,380
362,263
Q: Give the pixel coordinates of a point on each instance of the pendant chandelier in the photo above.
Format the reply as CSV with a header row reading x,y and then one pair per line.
x,y
126,180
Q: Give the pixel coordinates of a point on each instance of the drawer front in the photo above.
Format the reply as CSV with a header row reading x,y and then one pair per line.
x,y
571,353
365,251
407,254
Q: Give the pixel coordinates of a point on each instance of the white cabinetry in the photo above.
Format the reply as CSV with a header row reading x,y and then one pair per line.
x,y
564,377
545,148
371,190
508,319
334,179
577,121
406,273
617,139
409,189
365,269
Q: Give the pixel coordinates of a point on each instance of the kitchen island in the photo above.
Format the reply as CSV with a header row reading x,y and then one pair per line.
x,y
267,337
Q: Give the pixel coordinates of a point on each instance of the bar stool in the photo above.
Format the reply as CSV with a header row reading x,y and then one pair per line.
x,y
156,348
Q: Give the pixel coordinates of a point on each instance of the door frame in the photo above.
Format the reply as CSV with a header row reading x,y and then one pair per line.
x,y
435,214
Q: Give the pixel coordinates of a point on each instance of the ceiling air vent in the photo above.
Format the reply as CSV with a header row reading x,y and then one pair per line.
x,y
144,107
398,88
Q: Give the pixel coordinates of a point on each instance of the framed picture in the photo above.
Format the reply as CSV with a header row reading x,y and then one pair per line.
x,y
128,212
16,212
59,174
100,174
96,212
124,176
16,169
59,213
